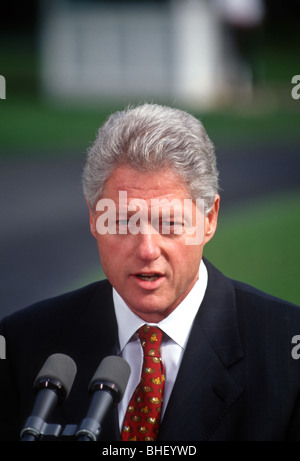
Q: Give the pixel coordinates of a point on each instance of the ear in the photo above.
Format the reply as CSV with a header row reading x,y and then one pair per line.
x,y
92,220
211,220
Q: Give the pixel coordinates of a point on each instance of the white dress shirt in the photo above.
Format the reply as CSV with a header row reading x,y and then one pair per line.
x,y
176,326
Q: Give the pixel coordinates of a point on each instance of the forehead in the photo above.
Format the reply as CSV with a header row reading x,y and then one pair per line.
x,y
145,184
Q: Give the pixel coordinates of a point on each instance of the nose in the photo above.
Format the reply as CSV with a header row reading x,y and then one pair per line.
x,y
147,246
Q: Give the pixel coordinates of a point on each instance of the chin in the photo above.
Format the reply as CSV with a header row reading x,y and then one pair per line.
x,y
151,313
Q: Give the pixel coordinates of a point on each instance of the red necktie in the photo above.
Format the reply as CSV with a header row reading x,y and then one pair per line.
x,y
143,414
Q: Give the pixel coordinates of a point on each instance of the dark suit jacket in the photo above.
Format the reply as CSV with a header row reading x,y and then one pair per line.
x,y
237,381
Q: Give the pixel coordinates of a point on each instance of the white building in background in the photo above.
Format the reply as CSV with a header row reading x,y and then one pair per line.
x,y
168,50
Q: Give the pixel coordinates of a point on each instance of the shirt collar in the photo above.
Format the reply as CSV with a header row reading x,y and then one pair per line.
x,y
177,325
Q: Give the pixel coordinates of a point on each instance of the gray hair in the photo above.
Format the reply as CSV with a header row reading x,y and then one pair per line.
x,y
148,138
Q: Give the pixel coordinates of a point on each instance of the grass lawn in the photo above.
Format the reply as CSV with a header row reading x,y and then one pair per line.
x,y
259,244
29,125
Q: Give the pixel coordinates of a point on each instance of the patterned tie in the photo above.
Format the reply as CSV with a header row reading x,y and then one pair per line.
x,y
143,413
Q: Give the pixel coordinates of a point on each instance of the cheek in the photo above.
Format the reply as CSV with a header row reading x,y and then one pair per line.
x,y
112,255
186,260
193,256
106,253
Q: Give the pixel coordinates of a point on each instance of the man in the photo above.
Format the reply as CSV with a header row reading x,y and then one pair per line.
x,y
227,371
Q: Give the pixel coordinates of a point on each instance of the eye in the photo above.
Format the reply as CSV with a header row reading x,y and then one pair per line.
x,y
171,227
122,226
122,222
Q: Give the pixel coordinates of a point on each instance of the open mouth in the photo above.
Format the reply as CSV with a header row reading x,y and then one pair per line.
x,y
148,277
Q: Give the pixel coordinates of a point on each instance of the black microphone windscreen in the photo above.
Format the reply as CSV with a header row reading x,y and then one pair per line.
x,y
115,370
59,367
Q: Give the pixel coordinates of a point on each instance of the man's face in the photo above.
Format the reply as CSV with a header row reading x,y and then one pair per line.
x,y
152,267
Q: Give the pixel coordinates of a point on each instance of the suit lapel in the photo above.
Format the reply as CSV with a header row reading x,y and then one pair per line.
x,y
204,389
93,336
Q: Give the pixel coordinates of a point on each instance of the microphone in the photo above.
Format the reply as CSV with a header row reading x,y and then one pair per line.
x,y
52,386
107,386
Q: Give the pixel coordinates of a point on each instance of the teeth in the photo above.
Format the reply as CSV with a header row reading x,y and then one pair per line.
x,y
149,278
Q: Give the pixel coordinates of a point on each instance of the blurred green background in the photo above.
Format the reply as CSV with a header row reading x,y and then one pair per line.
x,y
257,241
